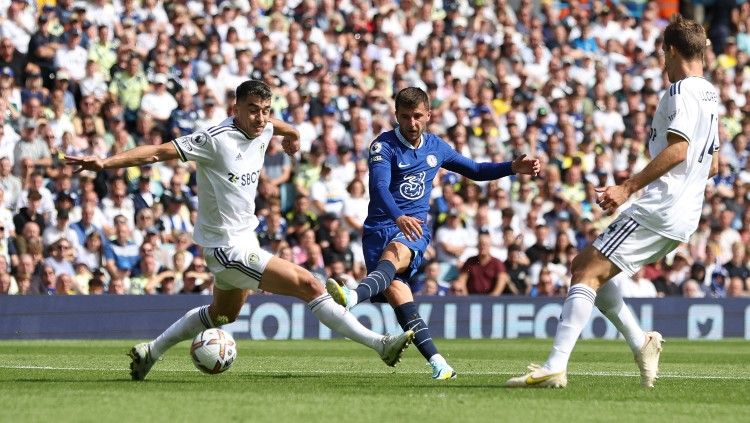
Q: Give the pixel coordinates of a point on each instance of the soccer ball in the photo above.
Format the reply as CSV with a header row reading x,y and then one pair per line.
x,y
213,351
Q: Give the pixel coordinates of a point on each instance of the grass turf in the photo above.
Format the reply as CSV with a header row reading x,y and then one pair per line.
x,y
335,381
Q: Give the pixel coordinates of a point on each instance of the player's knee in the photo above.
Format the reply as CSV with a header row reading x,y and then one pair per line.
x,y
398,254
580,271
309,287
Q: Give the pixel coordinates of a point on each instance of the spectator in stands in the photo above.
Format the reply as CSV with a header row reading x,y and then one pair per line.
x,y
120,253
737,287
545,287
158,102
71,56
483,274
61,229
692,289
31,146
5,284
149,278
737,266
30,213
61,258
451,239
174,219
10,183
85,226
128,87
340,250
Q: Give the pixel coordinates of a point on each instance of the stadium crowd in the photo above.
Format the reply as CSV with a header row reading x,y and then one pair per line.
x,y
574,84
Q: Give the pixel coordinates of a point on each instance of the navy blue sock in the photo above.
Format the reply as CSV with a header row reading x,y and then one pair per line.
x,y
409,318
376,281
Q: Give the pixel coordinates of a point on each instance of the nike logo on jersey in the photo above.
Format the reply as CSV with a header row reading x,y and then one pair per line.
x,y
403,165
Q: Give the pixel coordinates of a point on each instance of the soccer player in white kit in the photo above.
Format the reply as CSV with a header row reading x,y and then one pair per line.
x,y
229,158
682,142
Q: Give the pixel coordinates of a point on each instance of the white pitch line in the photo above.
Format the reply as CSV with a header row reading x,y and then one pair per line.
x,y
475,373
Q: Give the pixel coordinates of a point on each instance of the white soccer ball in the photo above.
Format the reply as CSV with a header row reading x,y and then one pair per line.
x,y
213,351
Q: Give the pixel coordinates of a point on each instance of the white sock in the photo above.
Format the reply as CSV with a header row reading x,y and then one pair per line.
x,y
437,358
609,301
575,314
189,325
337,318
352,298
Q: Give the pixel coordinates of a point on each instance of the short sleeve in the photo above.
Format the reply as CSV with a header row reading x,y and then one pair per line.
x,y
677,113
198,146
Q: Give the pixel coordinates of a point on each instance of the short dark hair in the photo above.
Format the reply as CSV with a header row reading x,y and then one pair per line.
x,y
687,36
253,87
411,98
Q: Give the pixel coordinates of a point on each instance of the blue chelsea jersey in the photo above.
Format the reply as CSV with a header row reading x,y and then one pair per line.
x,y
406,173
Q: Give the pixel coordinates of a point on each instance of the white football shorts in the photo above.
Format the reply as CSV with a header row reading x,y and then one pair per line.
x,y
630,246
239,266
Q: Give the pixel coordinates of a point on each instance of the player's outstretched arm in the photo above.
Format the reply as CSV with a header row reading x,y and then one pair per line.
x,y
141,155
290,134
614,196
465,166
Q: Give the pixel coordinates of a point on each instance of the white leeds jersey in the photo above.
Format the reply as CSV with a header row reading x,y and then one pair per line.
x,y
671,205
229,165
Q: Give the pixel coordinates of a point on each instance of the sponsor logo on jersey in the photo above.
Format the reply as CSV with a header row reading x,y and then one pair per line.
x,y
376,158
431,160
413,186
244,179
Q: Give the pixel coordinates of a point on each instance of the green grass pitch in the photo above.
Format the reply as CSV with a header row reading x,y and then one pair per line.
x,y
340,381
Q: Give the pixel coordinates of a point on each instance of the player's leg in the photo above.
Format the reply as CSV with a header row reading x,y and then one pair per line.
x,y
224,308
590,270
401,299
609,301
282,277
394,259
642,246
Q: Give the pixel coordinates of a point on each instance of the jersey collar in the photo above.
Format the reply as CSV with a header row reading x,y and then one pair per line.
x,y
407,143
234,123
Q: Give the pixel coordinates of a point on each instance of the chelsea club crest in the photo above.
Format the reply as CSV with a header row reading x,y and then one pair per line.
x,y
432,160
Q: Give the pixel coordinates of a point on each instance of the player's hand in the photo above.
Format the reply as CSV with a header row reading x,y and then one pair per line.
x,y
611,198
81,163
290,145
527,165
411,227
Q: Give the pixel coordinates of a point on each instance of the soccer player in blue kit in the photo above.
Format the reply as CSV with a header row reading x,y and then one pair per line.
x,y
403,163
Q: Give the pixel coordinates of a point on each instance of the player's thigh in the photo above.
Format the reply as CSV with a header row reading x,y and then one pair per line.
x,y
629,246
592,268
398,293
286,278
227,303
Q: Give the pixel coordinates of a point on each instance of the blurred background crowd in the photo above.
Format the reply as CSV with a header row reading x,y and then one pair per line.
x,y
573,83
